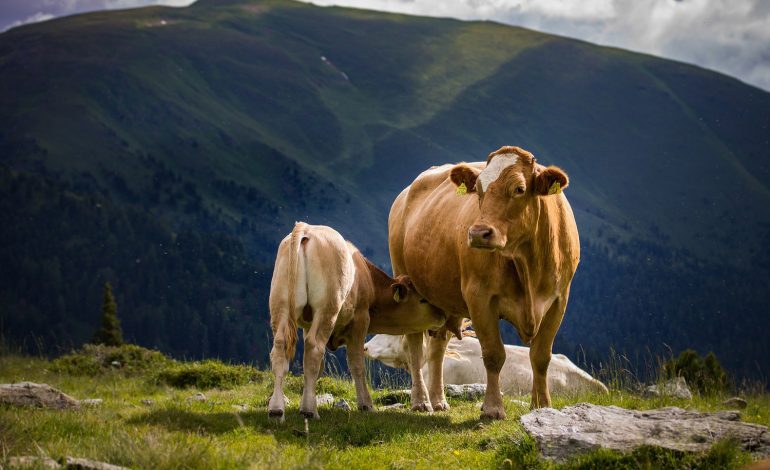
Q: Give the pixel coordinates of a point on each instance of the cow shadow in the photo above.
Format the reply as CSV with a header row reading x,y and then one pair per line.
x,y
337,427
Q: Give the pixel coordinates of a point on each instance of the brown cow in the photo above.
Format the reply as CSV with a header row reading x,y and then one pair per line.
x,y
508,250
323,283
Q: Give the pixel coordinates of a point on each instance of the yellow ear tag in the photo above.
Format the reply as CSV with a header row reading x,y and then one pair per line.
x,y
555,188
462,190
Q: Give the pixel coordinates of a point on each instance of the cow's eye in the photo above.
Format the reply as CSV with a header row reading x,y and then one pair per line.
x,y
519,190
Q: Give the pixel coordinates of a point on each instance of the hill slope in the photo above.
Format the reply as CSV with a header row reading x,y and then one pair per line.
x,y
237,118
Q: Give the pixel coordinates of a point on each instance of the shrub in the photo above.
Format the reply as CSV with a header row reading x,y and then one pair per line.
x,y
94,359
206,374
705,375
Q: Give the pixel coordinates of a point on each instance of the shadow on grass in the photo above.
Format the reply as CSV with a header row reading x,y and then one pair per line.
x,y
336,428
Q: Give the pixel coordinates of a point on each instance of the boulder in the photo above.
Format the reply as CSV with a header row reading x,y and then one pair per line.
x,y
471,392
735,402
39,395
91,402
676,388
560,434
32,461
197,397
74,463
327,399
342,404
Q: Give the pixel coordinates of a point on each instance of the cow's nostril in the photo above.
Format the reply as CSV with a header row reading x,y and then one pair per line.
x,y
486,234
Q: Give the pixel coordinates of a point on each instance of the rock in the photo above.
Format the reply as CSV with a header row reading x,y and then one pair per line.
x,y
74,463
342,404
395,396
466,391
115,364
394,406
585,427
198,397
40,395
68,463
91,402
31,461
676,388
735,402
521,403
147,402
327,399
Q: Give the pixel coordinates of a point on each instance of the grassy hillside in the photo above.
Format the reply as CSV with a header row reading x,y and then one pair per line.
x,y
145,424
236,118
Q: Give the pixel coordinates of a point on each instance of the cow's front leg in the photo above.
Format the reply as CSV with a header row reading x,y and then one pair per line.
x,y
355,352
436,350
420,401
493,352
540,354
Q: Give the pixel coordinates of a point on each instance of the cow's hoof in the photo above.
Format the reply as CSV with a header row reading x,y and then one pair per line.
x,y
493,413
310,414
276,414
441,406
422,408
365,407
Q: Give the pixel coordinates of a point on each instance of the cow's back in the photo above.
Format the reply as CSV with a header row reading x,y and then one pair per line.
x,y
426,229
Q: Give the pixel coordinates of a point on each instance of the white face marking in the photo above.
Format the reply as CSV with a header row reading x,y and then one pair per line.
x,y
493,170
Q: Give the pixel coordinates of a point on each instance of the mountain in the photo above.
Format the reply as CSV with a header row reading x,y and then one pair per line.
x,y
212,128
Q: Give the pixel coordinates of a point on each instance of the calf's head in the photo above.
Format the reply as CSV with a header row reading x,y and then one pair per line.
x,y
508,190
388,349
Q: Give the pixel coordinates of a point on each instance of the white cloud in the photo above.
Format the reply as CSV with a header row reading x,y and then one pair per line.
x,y
730,36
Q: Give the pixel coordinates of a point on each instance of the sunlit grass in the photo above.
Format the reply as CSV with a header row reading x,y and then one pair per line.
x,y
174,431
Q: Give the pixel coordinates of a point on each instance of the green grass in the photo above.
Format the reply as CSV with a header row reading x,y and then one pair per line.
x,y
176,432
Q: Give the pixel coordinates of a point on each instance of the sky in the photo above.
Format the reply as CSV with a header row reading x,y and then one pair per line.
x,y
730,36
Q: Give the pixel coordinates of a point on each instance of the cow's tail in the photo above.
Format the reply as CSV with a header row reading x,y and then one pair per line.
x,y
290,325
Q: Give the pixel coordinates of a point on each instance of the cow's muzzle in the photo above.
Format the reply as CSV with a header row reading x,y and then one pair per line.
x,y
483,237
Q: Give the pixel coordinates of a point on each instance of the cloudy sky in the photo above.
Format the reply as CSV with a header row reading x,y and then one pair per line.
x,y
731,36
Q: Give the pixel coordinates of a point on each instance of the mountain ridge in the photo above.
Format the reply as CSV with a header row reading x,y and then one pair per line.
x,y
238,118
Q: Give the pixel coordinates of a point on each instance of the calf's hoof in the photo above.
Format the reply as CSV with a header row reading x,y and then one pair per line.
x,y
275,414
441,406
422,407
310,414
365,407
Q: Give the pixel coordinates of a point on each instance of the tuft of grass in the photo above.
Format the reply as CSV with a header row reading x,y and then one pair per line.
x,y
95,359
206,374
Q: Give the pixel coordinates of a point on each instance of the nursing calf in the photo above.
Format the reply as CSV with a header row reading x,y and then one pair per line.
x,y
463,364
323,284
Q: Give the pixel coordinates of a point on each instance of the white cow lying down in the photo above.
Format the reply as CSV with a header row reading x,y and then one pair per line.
x,y
463,365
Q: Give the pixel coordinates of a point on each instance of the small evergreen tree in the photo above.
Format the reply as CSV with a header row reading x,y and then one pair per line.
x,y
109,333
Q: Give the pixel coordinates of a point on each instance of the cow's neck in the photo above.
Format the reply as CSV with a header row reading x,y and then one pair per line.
x,y
537,266
381,282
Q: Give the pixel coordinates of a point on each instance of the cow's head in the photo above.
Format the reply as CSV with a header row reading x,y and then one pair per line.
x,y
388,349
508,190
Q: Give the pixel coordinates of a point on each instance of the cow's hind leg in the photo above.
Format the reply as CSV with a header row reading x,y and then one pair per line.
x,y
436,349
355,352
316,338
420,400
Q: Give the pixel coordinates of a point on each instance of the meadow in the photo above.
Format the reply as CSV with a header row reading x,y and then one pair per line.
x,y
144,422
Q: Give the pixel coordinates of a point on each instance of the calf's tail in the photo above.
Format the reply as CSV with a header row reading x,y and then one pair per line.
x,y
290,325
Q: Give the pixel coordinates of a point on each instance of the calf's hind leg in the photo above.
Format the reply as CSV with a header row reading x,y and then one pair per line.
x,y
355,352
316,338
279,362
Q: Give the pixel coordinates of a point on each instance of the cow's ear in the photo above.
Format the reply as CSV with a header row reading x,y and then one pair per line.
x,y
550,180
400,291
464,175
